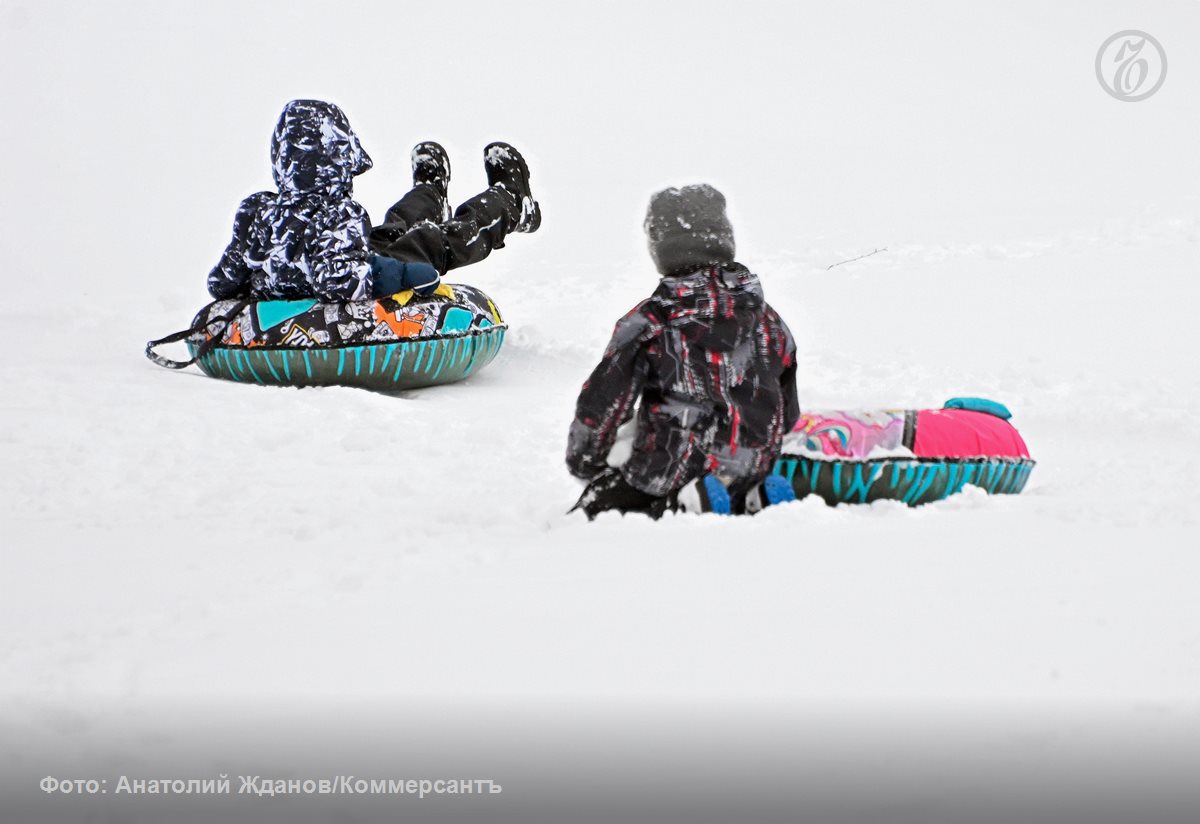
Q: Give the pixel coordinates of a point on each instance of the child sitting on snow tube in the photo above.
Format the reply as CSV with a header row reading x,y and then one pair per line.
x,y
709,366
311,239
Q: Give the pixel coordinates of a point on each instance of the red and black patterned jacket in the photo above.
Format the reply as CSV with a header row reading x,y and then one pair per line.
x,y
711,370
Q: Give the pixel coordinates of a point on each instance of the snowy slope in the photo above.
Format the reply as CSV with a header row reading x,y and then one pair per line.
x,y
182,553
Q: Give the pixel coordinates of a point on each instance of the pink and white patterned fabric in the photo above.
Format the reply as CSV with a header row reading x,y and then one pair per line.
x,y
927,433
837,434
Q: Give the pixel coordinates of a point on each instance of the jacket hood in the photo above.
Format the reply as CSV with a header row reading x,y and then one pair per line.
x,y
717,305
314,150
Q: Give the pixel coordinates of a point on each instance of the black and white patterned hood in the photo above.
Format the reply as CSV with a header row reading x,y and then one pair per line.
x,y
309,238
314,150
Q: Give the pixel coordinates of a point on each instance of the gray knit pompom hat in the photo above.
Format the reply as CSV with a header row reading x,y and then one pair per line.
x,y
687,229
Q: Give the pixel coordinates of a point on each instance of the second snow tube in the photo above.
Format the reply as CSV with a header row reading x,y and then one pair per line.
x,y
913,456
387,344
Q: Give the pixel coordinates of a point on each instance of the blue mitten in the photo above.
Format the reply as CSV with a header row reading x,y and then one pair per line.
x,y
390,276
387,276
421,278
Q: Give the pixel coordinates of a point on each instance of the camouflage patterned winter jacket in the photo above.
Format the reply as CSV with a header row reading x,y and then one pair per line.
x,y
309,238
714,368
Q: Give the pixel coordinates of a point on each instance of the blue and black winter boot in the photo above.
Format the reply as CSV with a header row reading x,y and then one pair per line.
x,y
508,171
775,489
705,494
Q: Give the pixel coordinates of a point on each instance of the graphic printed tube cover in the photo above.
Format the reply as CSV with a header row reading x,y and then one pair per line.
x,y
303,324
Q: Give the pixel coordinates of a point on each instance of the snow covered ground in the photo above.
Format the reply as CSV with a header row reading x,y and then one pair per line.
x,y
200,577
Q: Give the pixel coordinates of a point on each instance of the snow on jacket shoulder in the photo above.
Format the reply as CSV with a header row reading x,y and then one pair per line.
x,y
308,239
714,369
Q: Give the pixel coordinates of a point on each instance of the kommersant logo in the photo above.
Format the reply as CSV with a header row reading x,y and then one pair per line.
x,y
1131,65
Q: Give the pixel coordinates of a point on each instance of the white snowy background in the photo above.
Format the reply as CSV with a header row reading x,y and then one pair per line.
x,y
171,541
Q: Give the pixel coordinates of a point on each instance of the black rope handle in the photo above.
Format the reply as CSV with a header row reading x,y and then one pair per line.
x,y
202,349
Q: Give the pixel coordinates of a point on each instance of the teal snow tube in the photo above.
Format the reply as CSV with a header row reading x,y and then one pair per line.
x,y
387,344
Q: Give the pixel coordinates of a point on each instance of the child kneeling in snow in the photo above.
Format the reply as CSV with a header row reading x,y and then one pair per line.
x,y
711,368
312,239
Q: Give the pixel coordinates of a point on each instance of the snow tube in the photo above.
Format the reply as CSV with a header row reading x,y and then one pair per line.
x,y
401,342
914,456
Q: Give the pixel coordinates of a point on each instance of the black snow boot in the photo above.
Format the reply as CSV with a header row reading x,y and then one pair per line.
x,y
431,167
610,491
508,172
